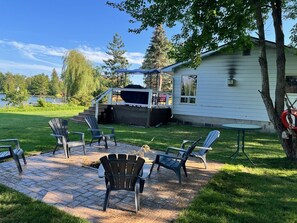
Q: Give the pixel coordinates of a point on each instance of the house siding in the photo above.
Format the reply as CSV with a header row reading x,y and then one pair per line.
x,y
217,100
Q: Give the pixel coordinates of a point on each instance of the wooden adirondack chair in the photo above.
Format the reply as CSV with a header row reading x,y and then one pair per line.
x,y
97,133
123,172
174,162
60,132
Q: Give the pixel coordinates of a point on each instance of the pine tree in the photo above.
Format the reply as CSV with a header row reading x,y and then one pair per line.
x,y
117,61
156,57
55,84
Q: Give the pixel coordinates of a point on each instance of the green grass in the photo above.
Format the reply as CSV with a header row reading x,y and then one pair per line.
x,y
15,207
241,192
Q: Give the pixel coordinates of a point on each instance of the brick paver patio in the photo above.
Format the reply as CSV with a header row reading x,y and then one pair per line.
x,y
78,190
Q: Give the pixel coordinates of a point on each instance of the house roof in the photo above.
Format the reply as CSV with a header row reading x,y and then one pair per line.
x,y
170,68
138,71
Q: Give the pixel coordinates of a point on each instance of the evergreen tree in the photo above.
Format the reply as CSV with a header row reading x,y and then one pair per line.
x,y
156,57
55,84
79,81
117,61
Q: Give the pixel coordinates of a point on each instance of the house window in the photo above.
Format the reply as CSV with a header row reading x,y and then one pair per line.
x,y
188,89
291,84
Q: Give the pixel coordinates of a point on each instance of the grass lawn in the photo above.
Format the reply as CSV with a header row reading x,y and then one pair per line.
x,y
241,192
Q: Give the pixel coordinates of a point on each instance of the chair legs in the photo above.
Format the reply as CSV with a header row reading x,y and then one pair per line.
x,y
106,200
137,198
85,151
151,170
17,154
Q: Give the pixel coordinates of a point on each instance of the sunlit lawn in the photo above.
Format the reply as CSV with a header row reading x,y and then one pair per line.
x,y
241,192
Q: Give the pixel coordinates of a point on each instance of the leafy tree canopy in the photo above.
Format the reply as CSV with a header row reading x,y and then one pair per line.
x,y
78,77
39,85
206,24
15,89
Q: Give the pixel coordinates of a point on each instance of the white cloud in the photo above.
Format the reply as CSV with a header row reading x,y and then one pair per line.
x,y
35,51
47,55
96,55
32,69
134,57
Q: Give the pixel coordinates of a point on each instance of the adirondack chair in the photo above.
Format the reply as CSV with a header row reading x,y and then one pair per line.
x,y
60,132
97,133
7,151
174,162
123,172
211,138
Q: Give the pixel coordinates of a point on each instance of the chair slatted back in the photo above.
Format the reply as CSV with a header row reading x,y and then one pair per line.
x,y
190,149
122,170
59,127
209,141
92,123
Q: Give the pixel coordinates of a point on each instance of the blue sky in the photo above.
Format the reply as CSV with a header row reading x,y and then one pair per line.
x,y
35,34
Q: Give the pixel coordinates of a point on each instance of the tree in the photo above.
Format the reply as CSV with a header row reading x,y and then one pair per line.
x,y
15,89
55,84
2,79
206,24
78,77
156,57
39,85
117,61
103,83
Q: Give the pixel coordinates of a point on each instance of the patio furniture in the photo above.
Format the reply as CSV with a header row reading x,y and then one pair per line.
x,y
123,172
206,146
6,151
60,132
174,162
97,133
241,128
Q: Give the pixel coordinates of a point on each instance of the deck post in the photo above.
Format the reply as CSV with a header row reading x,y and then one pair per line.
x,y
149,103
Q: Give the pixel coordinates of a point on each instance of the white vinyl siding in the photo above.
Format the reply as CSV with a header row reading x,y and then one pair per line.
x,y
216,99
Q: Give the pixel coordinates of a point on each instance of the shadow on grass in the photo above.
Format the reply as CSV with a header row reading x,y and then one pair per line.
x,y
236,195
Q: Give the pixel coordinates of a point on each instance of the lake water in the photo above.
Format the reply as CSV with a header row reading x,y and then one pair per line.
x,y
32,100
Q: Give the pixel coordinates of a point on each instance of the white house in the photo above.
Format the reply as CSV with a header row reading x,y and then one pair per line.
x,y
225,87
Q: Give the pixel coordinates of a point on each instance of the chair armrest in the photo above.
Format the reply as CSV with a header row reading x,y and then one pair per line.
x,y
57,136
174,149
201,147
82,135
16,141
169,156
8,140
188,141
95,130
79,133
145,171
108,127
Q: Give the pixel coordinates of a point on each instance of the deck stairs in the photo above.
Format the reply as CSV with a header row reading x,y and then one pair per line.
x,y
80,118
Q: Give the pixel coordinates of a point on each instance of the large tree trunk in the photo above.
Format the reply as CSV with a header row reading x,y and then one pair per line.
x,y
274,112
